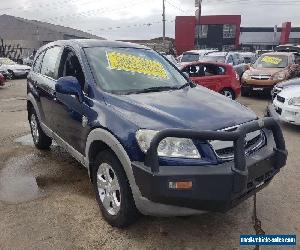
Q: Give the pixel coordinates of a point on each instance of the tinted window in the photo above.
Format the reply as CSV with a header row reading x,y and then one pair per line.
x,y
50,62
204,70
70,66
213,58
37,64
190,57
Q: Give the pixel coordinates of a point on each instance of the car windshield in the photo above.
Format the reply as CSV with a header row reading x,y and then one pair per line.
x,y
212,58
272,61
190,57
130,70
6,61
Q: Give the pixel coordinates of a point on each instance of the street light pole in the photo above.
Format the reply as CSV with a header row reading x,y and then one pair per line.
x,y
164,21
199,24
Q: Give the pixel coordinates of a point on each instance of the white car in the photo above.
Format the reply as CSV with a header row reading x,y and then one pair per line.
x,y
194,56
287,105
16,70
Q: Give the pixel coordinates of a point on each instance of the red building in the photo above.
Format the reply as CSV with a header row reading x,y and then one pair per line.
x,y
224,32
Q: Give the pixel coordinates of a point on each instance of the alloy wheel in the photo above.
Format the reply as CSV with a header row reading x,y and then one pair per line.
x,y
109,189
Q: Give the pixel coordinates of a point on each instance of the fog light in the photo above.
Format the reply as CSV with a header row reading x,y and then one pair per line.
x,y
181,185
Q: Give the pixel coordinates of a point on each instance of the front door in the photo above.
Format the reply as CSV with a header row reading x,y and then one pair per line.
x,y
71,115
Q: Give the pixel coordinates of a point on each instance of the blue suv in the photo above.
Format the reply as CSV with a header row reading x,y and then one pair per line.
x,y
152,141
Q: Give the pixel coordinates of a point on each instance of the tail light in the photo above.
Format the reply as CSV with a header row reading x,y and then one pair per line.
x,y
237,76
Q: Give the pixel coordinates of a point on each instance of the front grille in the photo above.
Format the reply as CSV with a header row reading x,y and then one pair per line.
x,y
253,142
280,99
261,77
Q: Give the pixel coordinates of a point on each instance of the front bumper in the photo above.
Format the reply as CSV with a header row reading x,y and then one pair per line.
x,y
215,188
284,112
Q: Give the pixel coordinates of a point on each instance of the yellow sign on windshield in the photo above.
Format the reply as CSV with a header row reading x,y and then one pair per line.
x,y
136,64
272,60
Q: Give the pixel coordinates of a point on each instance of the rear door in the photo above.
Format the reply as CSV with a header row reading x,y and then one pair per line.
x,y
47,81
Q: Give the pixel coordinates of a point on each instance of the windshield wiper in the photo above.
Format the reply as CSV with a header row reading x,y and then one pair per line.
x,y
153,89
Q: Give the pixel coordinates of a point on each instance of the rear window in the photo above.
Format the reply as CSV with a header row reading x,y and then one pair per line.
x,y
202,70
190,57
50,62
37,63
212,58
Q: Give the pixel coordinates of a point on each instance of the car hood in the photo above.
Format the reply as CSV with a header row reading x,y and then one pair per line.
x,y
264,71
290,92
191,108
289,83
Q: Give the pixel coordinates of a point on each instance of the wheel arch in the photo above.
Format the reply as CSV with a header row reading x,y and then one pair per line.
x,y
101,139
32,103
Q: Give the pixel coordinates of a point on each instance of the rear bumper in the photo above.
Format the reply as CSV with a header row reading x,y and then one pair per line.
x,y
215,188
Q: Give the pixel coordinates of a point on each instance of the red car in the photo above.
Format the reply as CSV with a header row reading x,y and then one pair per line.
x,y
218,77
2,80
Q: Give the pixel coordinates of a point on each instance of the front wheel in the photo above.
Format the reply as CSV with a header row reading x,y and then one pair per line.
x,y
228,93
112,190
11,75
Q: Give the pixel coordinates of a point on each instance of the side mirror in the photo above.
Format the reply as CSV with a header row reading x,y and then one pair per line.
x,y
69,85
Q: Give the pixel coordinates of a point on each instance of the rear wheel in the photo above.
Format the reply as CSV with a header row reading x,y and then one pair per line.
x,y
228,93
40,139
112,190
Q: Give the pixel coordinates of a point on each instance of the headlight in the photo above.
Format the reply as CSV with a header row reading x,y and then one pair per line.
x,y
295,101
169,147
246,75
279,76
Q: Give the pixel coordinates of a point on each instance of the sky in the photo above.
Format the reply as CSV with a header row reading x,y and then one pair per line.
x,y
142,19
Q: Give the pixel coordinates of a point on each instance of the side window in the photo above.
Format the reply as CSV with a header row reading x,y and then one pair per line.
x,y
230,60
50,62
70,66
37,63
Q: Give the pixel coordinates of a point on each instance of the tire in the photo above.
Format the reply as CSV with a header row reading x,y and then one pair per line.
x,y
228,93
245,92
11,75
40,139
112,190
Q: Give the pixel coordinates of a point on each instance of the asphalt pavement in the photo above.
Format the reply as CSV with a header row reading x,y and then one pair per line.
x,y
47,201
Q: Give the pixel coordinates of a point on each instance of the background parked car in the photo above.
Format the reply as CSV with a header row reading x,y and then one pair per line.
x,y
232,58
283,85
219,77
28,60
268,70
5,73
193,56
16,70
249,57
2,80
286,105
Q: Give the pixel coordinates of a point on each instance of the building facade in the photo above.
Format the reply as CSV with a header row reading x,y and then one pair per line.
x,y
19,37
224,32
